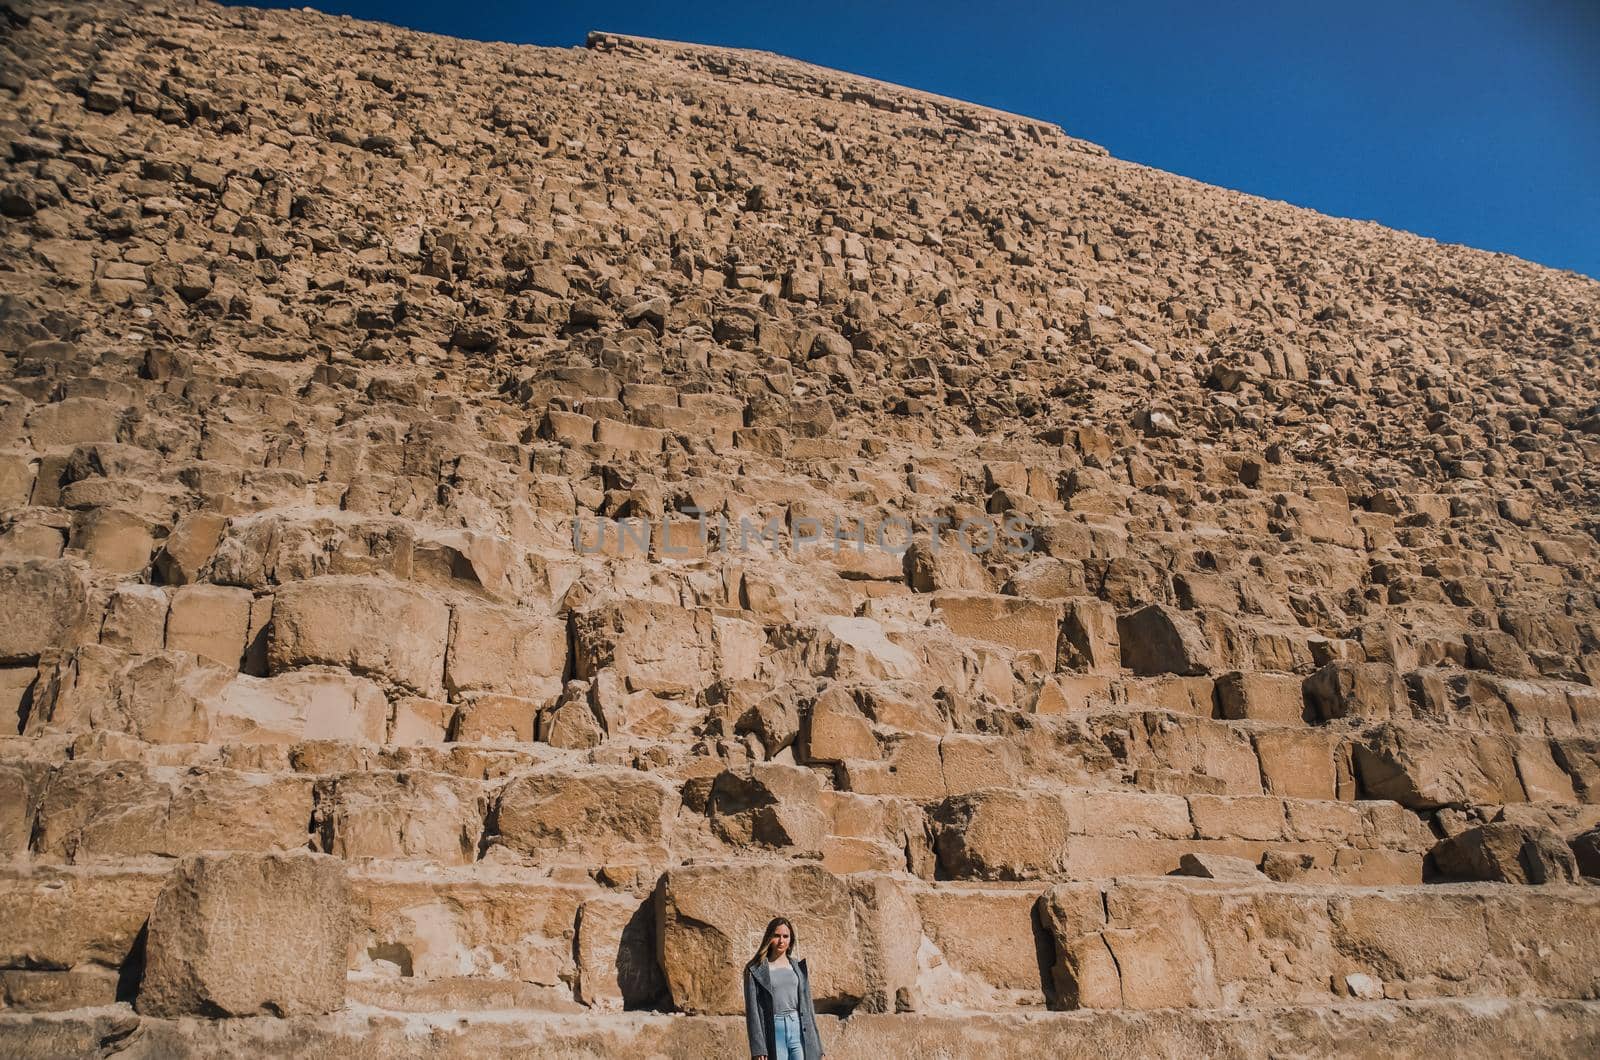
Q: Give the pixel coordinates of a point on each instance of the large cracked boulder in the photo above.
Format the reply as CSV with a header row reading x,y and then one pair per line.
x,y
1427,769
560,814
248,935
384,630
1504,852
709,920
1157,639
41,604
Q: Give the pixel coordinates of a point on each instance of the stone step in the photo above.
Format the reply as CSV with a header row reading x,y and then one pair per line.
x,y
1521,1026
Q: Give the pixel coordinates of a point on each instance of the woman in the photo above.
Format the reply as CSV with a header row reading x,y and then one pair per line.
x,y
777,999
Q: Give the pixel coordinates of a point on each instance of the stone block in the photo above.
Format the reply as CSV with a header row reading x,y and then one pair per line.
x,y
1261,697
1157,639
248,935
501,649
588,816
1427,769
210,620
1298,764
113,541
94,810
1371,691
295,706
835,729
1020,625
773,805
418,816
135,619
42,605
188,548
379,629
616,953
655,647
1001,835
1505,853
710,919
74,916
1089,637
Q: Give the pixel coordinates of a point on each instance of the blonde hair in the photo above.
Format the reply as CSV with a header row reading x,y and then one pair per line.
x,y
766,940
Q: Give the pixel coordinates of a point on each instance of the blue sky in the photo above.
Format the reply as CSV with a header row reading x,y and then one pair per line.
x,y
1470,121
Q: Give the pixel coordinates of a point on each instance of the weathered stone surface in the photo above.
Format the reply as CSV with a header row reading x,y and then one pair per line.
x,y
248,934
655,647
1159,640
1151,944
591,815
41,606
92,810
502,650
709,920
1505,853
424,816
1427,769
1346,690
1001,835
388,631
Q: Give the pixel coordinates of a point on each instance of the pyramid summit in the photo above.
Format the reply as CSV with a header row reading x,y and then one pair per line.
x,y
485,528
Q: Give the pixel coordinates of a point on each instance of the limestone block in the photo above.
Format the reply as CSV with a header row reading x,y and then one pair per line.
x,y
773,805
248,935
496,719
211,621
985,940
1261,697
121,809
616,952
835,729
301,705
1298,764
188,548
709,921
74,916
1157,639
1001,835
501,649
1505,853
384,630
42,604
421,816
1426,769
1020,625
16,697
74,421
415,721
1355,690
135,619
111,540
655,647
592,815
162,698
1089,637
466,926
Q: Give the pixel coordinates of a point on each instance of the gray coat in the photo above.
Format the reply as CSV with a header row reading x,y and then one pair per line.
x,y
758,1014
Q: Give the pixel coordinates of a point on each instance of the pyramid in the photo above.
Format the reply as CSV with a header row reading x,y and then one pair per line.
x,y
484,528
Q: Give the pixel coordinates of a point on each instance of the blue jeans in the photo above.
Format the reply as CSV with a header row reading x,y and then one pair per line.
x,y
787,1024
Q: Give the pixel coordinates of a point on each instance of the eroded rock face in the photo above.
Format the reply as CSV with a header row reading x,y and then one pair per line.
x,y
709,920
1506,853
1050,582
248,935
